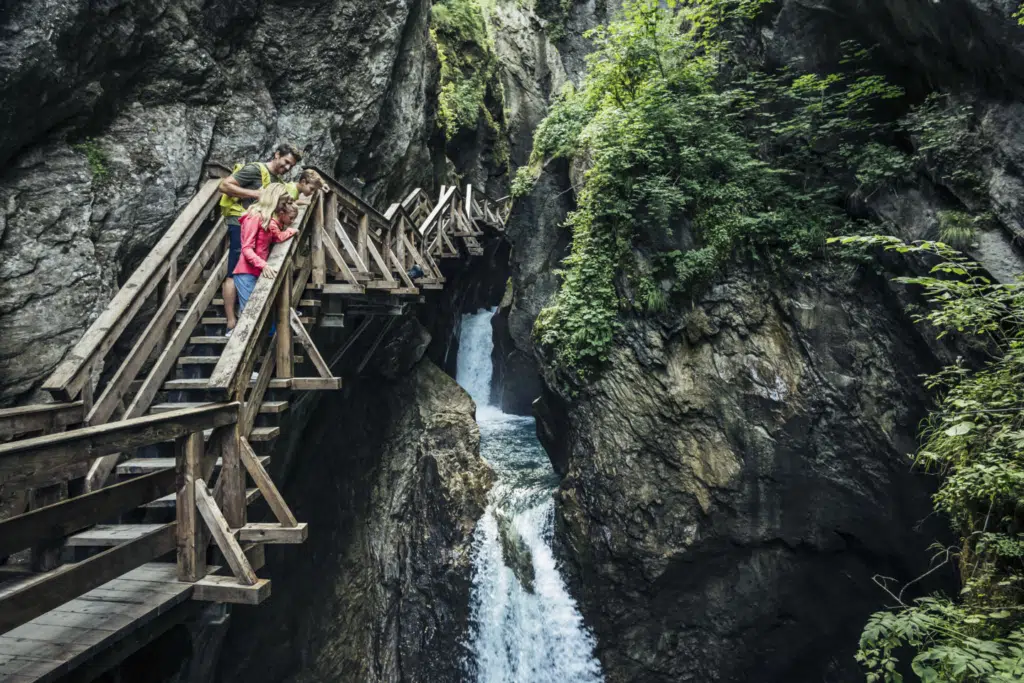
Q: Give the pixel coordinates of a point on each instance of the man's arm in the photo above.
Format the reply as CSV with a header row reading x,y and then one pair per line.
x,y
249,175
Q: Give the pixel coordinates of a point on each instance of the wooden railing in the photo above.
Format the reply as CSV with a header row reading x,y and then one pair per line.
x,y
38,461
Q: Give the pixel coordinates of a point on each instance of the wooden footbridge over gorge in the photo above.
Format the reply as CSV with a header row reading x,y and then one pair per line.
x,y
130,490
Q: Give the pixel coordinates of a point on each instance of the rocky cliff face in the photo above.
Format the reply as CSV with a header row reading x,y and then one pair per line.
x,y
737,476
388,476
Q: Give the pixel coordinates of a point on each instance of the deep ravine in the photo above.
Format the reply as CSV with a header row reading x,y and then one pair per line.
x,y
524,624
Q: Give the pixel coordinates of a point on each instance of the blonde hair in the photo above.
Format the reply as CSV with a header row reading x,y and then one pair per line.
x,y
311,177
273,199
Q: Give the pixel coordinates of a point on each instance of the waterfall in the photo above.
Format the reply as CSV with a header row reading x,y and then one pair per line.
x,y
525,625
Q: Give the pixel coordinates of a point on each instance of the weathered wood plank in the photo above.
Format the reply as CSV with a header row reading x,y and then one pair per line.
x,y
21,460
233,476
307,342
227,589
69,516
45,417
191,554
339,262
438,209
65,583
222,535
274,533
350,248
284,359
385,270
70,376
317,245
266,485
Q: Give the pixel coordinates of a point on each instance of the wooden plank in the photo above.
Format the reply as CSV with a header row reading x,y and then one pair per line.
x,y
307,342
427,268
46,551
69,516
316,383
350,249
65,583
350,197
362,238
232,478
155,332
70,376
228,589
339,262
435,214
266,485
285,368
191,554
110,535
222,535
263,381
148,465
401,271
45,417
385,270
317,244
102,468
274,533
21,460
337,288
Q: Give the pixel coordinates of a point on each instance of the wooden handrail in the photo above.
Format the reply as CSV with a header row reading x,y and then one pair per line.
x,y
23,460
46,417
352,197
68,379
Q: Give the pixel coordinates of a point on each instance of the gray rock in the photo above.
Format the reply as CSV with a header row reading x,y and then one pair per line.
x,y
735,479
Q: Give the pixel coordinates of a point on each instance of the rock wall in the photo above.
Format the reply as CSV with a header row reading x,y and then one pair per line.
x,y
109,111
389,478
736,477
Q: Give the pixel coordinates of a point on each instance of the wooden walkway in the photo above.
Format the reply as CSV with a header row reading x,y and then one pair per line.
x,y
132,487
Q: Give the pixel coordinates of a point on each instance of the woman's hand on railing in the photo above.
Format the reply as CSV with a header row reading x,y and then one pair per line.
x,y
269,272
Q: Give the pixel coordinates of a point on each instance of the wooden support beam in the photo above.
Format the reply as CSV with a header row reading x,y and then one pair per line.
x,y
231,482
45,417
71,375
42,594
362,239
349,247
222,535
285,369
307,343
401,271
188,466
70,516
227,589
315,383
385,270
373,347
273,533
22,460
339,262
317,245
266,485
263,380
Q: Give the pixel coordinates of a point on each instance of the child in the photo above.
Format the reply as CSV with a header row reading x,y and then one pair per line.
x,y
261,226
309,182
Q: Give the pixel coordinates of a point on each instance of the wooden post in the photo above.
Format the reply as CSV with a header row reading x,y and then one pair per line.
x,y
400,242
364,227
317,245
284,330
233,476
191,548
87,392
46,556
331,218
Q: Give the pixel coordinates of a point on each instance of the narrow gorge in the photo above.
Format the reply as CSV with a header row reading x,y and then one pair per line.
x,y
731,398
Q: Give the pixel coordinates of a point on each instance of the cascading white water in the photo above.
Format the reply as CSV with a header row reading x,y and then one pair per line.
x,y
525,626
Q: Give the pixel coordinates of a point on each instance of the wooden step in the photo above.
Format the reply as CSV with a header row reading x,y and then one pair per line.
x,y
218,340
342,288
147,465
110,535
264,434
212,360
171,501
382,284
216,320
202,384
302,302
267,407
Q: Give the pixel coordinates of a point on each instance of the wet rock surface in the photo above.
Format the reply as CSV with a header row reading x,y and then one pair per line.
x,y
388,476
738,474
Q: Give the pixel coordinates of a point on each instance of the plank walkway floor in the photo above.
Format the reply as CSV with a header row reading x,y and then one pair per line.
x,y
54,643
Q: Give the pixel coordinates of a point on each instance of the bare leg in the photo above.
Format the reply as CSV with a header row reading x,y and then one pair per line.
x,y
227,291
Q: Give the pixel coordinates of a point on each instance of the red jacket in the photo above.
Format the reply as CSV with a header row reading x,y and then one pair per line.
x,y
256,243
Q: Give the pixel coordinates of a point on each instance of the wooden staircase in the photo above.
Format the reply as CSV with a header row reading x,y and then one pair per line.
x,y
154,454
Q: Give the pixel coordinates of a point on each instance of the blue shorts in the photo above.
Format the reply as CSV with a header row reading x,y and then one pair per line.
x,y
234,244
244,284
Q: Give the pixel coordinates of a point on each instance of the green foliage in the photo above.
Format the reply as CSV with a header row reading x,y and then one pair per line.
x,y
956,229
96,158
668,150
468,68
947,141
974,439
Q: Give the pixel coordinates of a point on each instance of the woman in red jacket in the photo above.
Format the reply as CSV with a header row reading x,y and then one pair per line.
x,y
265,223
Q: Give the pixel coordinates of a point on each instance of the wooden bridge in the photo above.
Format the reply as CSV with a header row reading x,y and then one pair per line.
x,y
131,489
